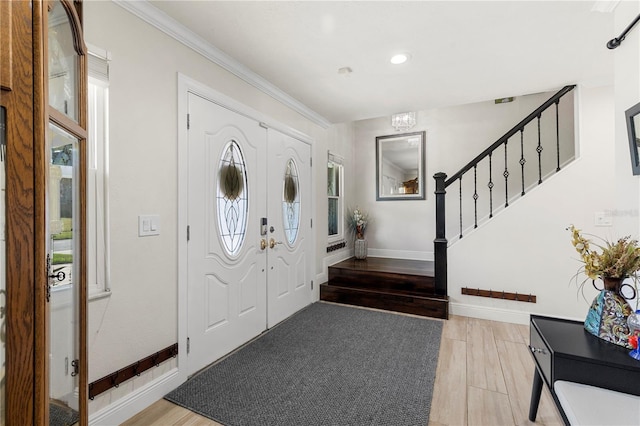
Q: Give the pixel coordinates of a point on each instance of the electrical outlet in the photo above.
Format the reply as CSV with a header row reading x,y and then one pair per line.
x,y
603,219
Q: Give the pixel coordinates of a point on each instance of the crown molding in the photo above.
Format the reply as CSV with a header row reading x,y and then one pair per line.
x,y
153,16
604,6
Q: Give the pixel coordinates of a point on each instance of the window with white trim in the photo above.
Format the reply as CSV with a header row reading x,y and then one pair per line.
x,y
97,175
335,186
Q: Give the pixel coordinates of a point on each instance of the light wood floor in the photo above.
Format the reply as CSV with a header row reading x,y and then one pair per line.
x,y
484,377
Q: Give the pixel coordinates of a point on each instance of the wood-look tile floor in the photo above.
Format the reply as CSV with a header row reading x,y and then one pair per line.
x,y
484,378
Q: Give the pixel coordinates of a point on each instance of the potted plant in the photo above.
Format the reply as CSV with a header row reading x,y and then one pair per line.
x,y
357,222
612,262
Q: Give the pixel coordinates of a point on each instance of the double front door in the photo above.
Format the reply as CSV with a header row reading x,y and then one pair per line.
x,y
249,205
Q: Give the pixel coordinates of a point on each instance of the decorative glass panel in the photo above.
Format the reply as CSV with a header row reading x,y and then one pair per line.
x,y
63,62
291,201
232,198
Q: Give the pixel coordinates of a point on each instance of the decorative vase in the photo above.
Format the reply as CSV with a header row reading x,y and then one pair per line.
x,y
634,328
607,316
612,284
360,248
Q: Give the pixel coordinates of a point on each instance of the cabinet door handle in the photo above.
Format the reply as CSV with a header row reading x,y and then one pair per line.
x,y
538,350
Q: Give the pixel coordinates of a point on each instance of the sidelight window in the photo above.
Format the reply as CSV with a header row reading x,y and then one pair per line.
x,y
97,175
335,183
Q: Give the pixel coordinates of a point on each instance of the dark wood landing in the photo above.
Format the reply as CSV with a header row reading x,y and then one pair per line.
x,y
392,284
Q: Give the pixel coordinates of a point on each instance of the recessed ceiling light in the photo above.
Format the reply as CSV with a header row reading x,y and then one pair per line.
x,y
400,58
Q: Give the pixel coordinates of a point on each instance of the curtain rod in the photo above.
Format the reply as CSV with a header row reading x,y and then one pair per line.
x,y
615,42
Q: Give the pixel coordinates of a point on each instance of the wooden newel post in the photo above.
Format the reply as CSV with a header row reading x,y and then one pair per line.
x,y
440,243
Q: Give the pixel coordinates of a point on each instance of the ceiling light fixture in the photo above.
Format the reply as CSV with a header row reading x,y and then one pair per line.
x,y
400,58
403,121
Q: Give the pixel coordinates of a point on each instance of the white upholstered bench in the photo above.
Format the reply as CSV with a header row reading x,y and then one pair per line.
x,y
590,405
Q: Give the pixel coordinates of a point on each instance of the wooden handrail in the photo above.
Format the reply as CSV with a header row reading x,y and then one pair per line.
x,y
510,133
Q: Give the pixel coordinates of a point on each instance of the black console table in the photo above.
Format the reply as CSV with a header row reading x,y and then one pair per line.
x,y
564,350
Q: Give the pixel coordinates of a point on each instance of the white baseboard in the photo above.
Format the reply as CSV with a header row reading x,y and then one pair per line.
x,y
133,403
401,254
493,314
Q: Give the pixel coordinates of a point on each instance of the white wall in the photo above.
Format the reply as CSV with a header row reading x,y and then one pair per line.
x,y
339,142
140,316
627,93
526,248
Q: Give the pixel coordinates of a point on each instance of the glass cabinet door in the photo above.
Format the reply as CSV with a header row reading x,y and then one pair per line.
x,y
66,150
64,256
42,225
63,63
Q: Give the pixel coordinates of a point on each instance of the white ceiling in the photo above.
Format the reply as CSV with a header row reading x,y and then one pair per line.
x,y
462,51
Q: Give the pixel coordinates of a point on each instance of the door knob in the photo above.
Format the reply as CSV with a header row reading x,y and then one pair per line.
x,y
263,244
272,243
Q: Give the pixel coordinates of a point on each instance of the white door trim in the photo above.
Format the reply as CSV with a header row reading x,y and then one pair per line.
x,y
188,85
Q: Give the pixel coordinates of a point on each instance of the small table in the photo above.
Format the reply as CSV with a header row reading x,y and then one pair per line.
x,y
564,350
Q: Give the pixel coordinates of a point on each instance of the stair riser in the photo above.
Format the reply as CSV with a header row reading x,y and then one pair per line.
x,y
381,281
423,306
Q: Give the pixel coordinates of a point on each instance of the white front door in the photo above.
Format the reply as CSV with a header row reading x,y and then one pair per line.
x,y
249,219
227,303
289,195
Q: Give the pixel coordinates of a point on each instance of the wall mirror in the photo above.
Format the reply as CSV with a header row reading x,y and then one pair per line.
x,y
633,127
400,167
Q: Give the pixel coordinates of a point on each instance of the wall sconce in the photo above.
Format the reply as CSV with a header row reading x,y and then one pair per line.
x,y
403,121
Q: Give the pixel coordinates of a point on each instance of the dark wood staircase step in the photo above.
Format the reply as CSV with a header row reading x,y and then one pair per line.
x,y
427,306
393,284
384,275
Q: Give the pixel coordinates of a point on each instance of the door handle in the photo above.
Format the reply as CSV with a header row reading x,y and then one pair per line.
x,y
60,276
263,244
273,243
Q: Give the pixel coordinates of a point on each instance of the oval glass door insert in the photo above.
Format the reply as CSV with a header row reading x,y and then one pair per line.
x,y
291,201
232,198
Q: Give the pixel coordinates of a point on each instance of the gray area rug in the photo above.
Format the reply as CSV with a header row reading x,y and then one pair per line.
x,y
326,365
60,415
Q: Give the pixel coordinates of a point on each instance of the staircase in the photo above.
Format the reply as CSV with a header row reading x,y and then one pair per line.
x,y
499,175
397,285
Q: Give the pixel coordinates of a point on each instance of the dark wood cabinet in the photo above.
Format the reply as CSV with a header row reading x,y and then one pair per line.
x,y
24,98
6,64
564,350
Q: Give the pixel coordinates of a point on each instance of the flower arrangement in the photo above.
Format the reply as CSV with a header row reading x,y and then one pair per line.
x,y
616,260
357,221
633,341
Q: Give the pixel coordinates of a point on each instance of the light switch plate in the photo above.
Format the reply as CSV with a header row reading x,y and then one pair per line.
x,y
148,225
603,219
